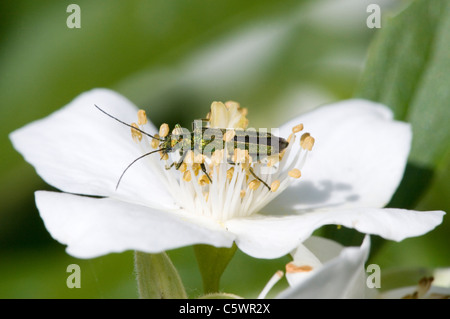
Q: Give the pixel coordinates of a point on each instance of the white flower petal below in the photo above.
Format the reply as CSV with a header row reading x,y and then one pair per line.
x,y
304,265
341,277
272,237
78,149
91,227
358,158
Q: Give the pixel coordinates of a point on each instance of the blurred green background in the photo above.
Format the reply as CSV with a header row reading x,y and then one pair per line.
x,y
173,58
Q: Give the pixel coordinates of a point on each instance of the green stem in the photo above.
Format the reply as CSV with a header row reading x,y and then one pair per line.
x,y
212,262
157,277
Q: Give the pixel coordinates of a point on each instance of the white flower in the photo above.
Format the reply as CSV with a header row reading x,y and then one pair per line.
x,y
322,268
353,170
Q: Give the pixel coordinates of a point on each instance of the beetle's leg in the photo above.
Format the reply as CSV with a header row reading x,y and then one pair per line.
x,y
203,167
259,179
169,167
181,160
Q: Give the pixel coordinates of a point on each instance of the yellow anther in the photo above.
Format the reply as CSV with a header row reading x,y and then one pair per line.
x,y
229,135
164,156
206,194
307,141
155,142
230,173
274,186
177,131
241,156
272,160
254,184
187,176
182,168
164,130
203,180
135,134
196,168
242,194
295,173
217,157
142,117
297,128
244,111
199,158
304,136
232,104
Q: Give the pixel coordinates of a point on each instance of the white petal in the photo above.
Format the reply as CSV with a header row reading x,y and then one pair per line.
x,y
274,236
304,265
338,278
92,227
358,157
324,249
78,149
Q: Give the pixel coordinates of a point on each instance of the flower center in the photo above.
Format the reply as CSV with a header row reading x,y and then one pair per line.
x,y
236,178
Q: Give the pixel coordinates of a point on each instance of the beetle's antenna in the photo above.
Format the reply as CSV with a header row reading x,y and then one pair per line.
x,y
137,159
134,128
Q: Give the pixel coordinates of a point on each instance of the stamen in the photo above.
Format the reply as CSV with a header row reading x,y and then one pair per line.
x,y
164,130
217,157
274,186
230,173
307,141
281,155
203,180
240,156
254,184
135,134
155,142
272,160
229,135
164,156
297,128
292,268
182,168
231,104
290,137
142,117
199,158
196,168
275,278
295,173
187,176
189,158
424,286
242,194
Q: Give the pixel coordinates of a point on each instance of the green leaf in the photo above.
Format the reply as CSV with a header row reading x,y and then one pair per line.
x,y
408,70
212,262
157,277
